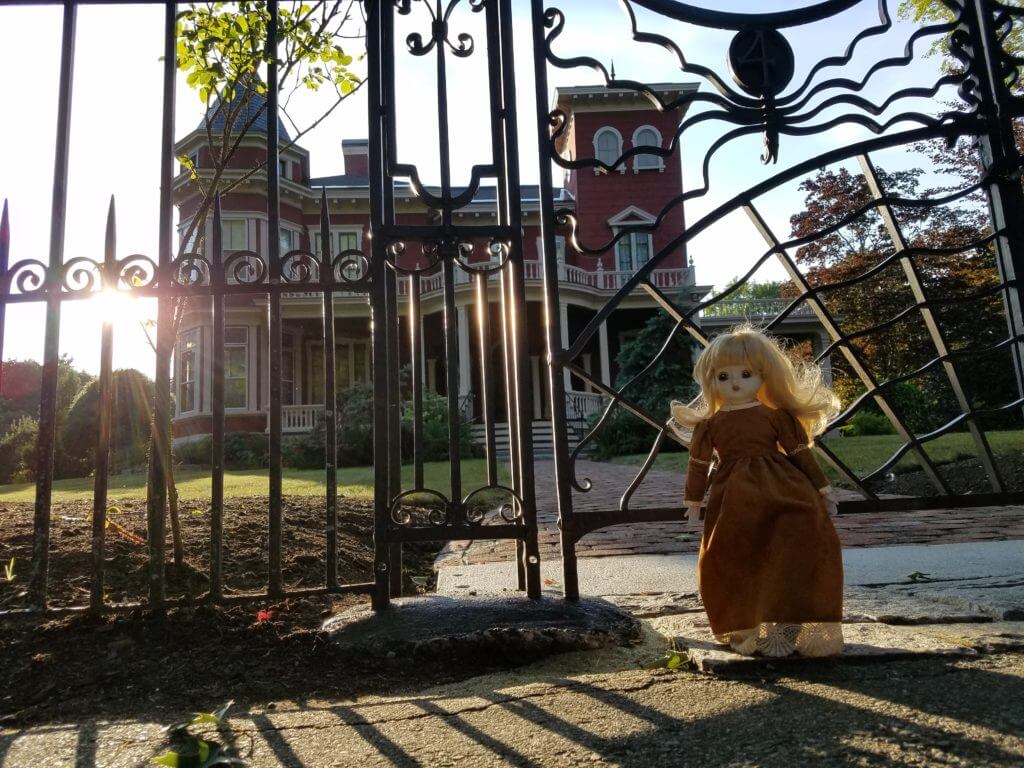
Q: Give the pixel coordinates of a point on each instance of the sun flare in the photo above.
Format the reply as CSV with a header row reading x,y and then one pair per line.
x,y
121,308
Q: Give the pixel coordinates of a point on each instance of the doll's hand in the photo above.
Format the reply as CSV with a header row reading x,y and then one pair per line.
x,y
827,496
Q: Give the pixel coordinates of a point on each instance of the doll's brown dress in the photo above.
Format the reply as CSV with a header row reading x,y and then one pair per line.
x,y
770,570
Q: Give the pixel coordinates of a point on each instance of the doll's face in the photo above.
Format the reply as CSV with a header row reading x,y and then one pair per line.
x,y
737,384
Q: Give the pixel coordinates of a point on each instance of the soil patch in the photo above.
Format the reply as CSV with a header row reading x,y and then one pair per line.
x,y
197,657
962,477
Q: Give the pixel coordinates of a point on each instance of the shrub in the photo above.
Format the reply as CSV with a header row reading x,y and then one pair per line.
x,y
671,378
242,450
132,393
198,451
18,451
355,432
622,434
869,421
920,411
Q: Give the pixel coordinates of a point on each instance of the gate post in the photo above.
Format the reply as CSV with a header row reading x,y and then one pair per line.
x,y
1001,161
552,318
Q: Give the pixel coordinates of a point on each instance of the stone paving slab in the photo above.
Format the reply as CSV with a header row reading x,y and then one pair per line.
x,y
864,641
664,488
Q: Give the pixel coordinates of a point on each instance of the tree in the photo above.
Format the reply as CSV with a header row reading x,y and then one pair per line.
x,y
222,48
863,244
770,289
937,12
22,387
132,393
668,379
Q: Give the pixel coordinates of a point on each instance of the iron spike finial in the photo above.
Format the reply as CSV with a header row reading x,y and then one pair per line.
x,y
613,69
5,229
111,237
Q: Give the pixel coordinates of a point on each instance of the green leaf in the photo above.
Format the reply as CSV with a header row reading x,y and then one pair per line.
x,y
167,758
674,661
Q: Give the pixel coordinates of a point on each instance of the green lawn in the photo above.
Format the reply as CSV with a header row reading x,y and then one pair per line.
x,y
352,481
864,454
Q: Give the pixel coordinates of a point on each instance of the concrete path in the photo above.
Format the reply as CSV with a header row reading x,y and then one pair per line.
x,y
664,488
600,708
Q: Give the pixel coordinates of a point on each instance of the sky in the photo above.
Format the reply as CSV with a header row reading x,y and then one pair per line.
x,y
116,114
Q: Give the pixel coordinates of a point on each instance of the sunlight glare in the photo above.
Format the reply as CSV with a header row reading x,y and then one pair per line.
x,y
121,308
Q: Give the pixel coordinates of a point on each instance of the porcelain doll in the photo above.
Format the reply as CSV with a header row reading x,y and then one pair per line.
x,y
770,571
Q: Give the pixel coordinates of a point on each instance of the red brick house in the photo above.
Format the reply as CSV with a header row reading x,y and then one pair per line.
x,y
602,123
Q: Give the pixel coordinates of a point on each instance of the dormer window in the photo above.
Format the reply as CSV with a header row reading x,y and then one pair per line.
x,y
608,148
647,136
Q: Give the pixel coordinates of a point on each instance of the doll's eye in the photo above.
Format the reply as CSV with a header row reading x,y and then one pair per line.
x,y
723,376
746,374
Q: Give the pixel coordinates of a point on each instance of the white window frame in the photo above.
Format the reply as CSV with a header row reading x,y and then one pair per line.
x,y
315,354
631,217
653,161
293,236
289,391
181,382
621,168
284,169
182,228
245,226
245,376
336,232
352,271
559,248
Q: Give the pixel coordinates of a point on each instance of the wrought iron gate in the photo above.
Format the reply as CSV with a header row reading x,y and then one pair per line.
x,y
763,98
463,252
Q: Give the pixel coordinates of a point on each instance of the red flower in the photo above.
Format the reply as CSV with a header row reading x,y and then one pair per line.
x,y
263,616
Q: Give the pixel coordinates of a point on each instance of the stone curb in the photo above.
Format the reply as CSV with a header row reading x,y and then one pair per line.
x,y
438,627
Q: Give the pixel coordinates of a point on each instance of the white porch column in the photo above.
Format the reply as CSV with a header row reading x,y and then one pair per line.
x,y
465,380
606,368
563,315
432,375
537,392
826,363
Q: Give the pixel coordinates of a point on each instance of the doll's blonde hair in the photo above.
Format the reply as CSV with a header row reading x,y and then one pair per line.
x,y
794,386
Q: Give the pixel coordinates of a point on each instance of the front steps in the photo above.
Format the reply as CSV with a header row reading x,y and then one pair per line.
x,y
543,440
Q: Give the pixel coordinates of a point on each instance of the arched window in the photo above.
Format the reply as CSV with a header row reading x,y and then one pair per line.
x,y
647,136
607,147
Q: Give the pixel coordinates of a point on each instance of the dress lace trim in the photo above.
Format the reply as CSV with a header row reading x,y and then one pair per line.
x,y
739,407
780,639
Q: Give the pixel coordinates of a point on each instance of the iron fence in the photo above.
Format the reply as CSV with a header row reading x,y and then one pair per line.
x,y
410,514
403,259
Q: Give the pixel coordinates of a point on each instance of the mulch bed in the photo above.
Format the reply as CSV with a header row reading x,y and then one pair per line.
x,y
197,657
963,477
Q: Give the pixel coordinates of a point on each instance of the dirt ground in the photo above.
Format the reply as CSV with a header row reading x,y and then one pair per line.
x,y
965,476
67,666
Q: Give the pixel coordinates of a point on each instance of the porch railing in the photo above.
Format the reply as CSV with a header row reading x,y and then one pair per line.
x,y
596,280
299,418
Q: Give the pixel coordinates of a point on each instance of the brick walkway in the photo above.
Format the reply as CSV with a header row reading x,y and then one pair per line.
x,y
664,488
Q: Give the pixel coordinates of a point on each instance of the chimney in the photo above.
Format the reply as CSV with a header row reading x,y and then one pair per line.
x,y
357,156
